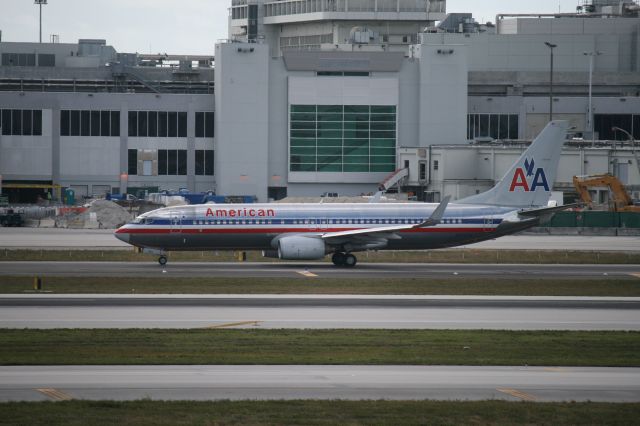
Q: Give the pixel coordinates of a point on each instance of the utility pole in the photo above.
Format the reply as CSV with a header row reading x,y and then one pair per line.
x,y
551,47
40,3
590,126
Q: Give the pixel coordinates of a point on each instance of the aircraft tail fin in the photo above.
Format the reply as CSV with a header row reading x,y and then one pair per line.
x,y
529,181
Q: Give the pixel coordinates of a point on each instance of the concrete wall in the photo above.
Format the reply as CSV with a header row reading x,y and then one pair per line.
x,y
242,119
443,94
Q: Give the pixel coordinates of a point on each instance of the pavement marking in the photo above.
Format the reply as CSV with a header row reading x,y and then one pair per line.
x,y
307,274
235,324
518,394
55,394
555,369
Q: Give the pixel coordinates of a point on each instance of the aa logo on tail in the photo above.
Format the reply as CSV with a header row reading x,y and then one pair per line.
x,y
522,177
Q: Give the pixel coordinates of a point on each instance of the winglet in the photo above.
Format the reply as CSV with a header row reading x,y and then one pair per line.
x,y
376,197
437,214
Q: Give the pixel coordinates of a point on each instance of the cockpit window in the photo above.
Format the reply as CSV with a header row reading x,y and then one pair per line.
x,y
138,220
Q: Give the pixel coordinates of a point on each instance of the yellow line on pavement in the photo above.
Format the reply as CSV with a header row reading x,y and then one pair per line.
x,y
307,274
518,394
234,324
55,394
555,369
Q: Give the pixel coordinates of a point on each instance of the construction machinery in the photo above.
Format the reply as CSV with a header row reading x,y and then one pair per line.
x,y
620,200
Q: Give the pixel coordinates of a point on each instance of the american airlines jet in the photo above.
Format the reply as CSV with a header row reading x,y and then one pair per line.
x,y
312,231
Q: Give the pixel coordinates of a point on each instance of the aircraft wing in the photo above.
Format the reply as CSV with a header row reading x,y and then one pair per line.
x,y
380,232
547,210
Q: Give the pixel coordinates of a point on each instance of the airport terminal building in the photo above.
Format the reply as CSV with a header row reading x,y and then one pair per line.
x,y
314,96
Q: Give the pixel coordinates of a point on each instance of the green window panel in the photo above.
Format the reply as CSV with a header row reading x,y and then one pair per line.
x,y
330,108
329,159
329,142
383,117
382,134
303,167
330,133
383,109
356,142
353,125
380,159
357,117
303,125
329,117
303,117
356,151
330,151
303,133
356,109
303,142
356,159
389,126
303,158
303,108
356,167
356,134
329,167
329,125
383,143
383,167
303,151
383,151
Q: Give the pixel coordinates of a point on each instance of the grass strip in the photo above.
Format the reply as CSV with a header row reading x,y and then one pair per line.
x,y
425,256
317,347
459,285
299,412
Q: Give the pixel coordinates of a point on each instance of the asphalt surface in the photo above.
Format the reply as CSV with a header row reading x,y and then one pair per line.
x,y
98,239
306,312
362,270
166,382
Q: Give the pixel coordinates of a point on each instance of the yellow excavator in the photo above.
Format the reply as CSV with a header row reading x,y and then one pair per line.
x,y
620,199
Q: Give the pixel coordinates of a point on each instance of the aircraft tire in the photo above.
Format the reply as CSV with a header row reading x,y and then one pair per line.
x,y
338,259
350,260
162,260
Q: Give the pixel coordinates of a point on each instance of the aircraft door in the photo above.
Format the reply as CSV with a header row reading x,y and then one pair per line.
x,y
175,222
488,222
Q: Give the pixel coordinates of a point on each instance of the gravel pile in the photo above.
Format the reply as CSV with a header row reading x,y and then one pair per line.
x,y
102,214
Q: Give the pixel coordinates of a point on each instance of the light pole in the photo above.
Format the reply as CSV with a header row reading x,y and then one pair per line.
x,y
591,56
629,136
551,47
40,3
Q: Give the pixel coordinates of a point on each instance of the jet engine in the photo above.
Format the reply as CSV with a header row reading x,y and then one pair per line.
x,y
301,248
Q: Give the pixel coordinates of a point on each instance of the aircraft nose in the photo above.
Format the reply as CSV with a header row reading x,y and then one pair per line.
x,y
122,234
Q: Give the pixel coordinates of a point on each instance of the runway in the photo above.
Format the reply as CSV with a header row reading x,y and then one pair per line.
x,y
165,382
101,239
326,312
312,269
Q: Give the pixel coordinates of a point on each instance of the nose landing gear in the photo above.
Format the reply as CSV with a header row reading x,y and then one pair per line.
x,y
162,260
344,259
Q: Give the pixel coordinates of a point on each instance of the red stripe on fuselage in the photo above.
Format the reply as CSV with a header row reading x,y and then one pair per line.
x,y
284,230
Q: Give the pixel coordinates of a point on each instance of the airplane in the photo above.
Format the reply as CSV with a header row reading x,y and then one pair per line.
x,y
311,231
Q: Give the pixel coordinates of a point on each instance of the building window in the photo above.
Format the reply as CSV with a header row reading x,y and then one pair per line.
x,y
495,126
160,124
89,123
342,138
422,171
204,124
204,162
132,168
172,162
21,122
603,125
46,60
19,59
435,165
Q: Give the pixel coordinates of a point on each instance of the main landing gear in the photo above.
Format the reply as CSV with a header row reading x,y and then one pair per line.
x,y
162,260
344,259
